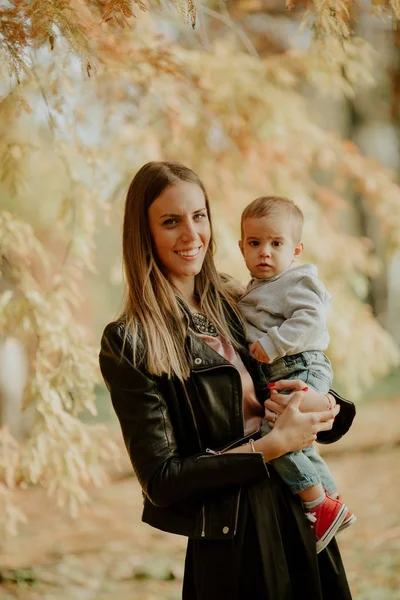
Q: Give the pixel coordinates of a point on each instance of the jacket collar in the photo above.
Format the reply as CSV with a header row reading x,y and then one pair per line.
x,y
199,353
201,356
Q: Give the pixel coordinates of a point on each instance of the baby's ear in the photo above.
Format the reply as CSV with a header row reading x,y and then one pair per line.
x,y
240,242
298,249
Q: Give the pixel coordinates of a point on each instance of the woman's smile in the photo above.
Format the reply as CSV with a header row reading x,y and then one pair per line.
x,y
189,253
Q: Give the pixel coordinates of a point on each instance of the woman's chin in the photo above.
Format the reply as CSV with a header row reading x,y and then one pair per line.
x,y
192,272
189,269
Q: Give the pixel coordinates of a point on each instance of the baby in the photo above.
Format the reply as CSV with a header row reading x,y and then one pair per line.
x,y
285,309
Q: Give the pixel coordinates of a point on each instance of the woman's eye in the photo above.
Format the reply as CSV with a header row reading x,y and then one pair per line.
x,y
168,222
199,216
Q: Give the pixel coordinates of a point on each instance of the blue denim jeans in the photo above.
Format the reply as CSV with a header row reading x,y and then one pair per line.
x,y
301,470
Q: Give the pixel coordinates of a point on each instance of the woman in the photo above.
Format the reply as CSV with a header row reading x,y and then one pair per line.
x,y
178,370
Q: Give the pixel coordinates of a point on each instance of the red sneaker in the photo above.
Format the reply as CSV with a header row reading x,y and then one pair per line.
x,y
326,518
349,519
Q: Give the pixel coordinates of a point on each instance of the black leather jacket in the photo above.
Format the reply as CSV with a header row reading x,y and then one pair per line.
x,y
171,430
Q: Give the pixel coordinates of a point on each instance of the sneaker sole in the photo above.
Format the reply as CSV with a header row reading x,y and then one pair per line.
x,y
331,532
347,522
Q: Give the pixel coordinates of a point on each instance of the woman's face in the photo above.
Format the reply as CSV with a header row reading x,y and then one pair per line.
x,y
180,230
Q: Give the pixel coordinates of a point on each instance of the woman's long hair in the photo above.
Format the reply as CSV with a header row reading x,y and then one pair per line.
x,y
152,307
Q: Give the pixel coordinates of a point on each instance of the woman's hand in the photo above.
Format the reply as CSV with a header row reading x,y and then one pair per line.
x,y
313,401
294,429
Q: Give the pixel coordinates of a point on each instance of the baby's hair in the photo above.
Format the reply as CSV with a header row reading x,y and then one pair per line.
x,y
274,205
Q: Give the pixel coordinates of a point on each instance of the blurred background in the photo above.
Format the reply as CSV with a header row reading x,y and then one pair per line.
x,y
258,97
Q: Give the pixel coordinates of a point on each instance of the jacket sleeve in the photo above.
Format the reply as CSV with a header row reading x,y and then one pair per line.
x,y
305,320
165,476
342,422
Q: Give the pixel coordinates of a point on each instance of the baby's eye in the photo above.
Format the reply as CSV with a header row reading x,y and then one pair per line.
x,y
254,243
276,244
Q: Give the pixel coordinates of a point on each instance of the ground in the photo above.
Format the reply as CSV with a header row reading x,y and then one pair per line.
x,y
108,554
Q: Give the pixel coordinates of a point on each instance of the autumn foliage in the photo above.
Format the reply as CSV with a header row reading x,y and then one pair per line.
x,y
91,91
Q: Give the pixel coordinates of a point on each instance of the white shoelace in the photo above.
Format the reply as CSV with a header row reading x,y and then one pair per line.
x,y
311,517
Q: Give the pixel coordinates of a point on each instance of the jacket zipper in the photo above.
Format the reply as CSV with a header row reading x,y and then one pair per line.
x,y
235,444
237,511
203,508
193,417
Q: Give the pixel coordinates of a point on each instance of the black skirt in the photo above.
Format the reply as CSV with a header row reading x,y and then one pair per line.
x,y
272,557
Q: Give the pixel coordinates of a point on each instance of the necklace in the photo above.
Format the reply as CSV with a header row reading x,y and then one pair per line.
x,y
203,325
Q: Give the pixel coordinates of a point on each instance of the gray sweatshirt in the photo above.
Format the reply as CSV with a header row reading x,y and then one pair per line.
x,y
287,314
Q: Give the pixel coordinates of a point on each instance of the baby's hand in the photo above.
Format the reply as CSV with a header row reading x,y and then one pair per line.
x,y
259,353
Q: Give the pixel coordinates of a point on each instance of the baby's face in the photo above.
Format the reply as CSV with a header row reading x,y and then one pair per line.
x,y
268,246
